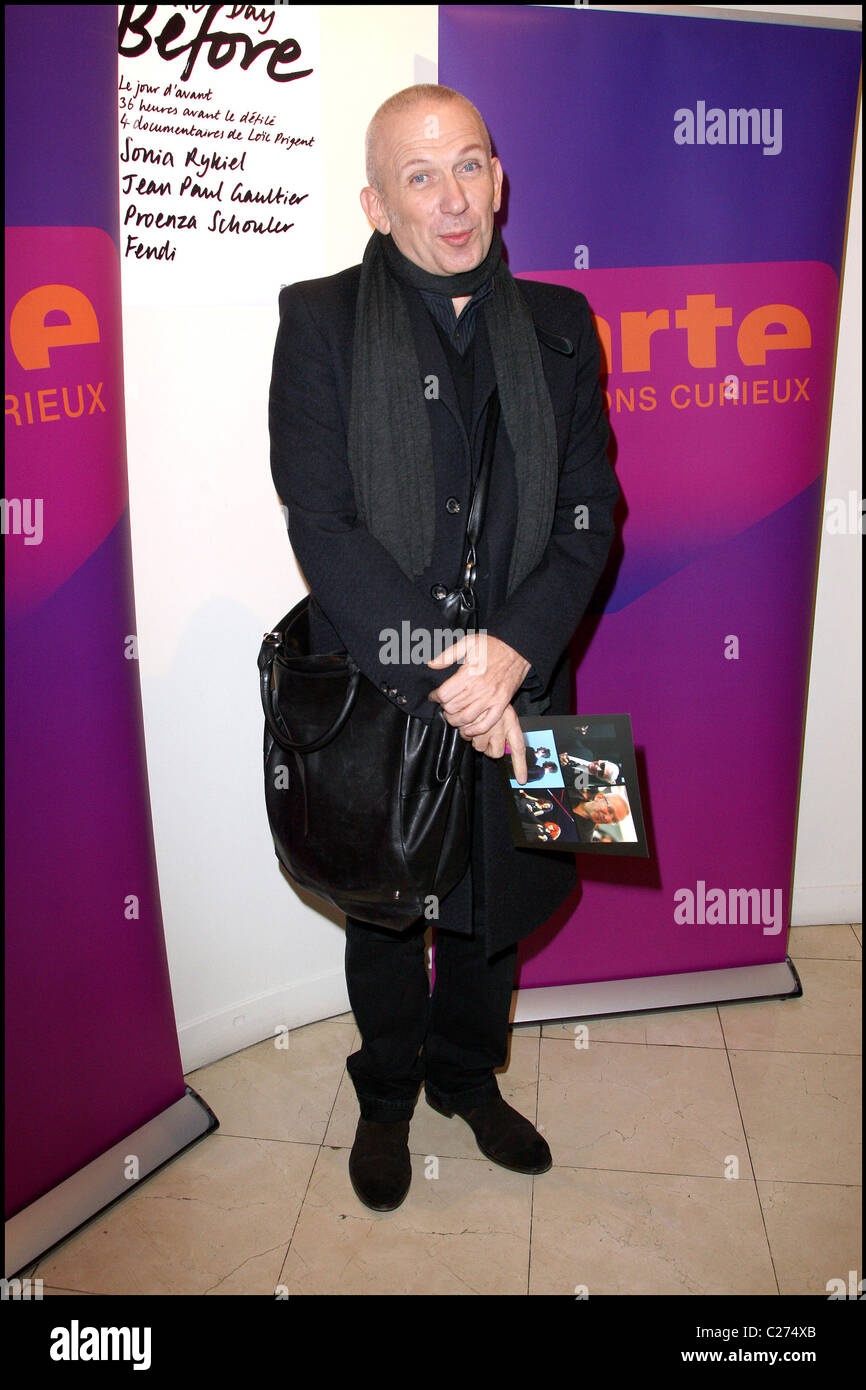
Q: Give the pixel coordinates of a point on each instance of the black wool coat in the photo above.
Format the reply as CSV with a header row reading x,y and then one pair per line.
x,y
358,589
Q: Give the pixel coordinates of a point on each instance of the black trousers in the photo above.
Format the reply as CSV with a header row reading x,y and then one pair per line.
x,y
451,1040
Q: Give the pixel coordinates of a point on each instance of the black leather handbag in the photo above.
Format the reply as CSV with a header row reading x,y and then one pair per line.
x,y
369,808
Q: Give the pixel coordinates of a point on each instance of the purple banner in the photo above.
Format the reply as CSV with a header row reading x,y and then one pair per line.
x,y
673,171
91,1042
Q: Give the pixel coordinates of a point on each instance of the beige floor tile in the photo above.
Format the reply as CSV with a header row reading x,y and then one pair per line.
x,y
815,1233
858,932
827,1017
831,943
802,1114
642,1233
279,1092
698,1027
432,1133
463,1232
216,1220
647,1108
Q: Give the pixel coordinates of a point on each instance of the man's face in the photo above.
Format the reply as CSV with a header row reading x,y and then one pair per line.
x,y
437,182
602,809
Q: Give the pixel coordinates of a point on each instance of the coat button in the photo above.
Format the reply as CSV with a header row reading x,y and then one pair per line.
x,y
452,504
439,591
401,699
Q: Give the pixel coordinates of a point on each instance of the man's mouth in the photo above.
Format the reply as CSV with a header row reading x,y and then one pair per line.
x,y
457,238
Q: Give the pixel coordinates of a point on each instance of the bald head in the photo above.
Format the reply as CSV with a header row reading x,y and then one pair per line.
x,y
604,808
427,95
434,184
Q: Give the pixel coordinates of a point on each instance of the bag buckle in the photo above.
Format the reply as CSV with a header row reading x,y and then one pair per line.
x,y
469,571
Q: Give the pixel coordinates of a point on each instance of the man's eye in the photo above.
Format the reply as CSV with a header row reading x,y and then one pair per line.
x,y
417,176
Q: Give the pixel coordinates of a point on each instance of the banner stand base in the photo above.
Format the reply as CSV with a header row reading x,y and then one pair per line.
x,y
75,1201
656,993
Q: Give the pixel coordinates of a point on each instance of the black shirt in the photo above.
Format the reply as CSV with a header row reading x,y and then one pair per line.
x,y
457,336
461,331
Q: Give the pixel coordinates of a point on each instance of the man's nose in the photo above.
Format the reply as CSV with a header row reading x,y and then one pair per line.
x,y
454,198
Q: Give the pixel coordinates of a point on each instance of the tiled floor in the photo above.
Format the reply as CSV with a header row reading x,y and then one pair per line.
x,y
705,1151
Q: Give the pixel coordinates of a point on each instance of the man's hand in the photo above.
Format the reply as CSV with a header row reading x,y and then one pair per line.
x,y
475,698
507,730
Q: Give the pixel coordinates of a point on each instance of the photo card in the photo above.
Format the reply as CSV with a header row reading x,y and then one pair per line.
x,y
581,792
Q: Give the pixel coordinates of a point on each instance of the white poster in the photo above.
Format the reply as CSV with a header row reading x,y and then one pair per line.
x,y
219,152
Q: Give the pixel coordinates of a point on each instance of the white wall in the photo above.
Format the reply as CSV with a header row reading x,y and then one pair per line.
x,y
213,570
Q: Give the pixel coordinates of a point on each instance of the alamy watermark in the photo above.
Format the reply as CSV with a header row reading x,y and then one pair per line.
x,y
22,516
715,907
416,646
736,126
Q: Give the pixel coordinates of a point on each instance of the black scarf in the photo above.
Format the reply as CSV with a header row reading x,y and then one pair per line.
x,y
390,450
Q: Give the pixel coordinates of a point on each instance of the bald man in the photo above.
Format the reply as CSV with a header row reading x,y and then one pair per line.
x,y
383,376
604,808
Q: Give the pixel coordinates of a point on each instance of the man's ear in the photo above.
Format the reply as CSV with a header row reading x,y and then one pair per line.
x,y
497,183
374,208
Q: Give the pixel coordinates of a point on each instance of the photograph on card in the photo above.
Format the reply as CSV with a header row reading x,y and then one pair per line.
x,y
542,767
581,792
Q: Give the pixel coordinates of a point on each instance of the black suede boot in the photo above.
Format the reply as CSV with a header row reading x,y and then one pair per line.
x,y
380,1169
504,1136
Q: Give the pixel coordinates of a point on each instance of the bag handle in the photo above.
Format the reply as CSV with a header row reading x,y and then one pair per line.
x,y
267,652
478,506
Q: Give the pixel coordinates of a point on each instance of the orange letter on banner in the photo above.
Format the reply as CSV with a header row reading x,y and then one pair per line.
x,y
32,339
637,329
701,318
753,342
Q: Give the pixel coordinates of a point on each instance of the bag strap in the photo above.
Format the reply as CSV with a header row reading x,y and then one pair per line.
x,y
273,720
478,505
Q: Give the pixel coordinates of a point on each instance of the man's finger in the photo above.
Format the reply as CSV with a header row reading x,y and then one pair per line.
x,y
462,701
517,743
455,651
470,649
452,687
495,746
469,715
470,718
483,722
